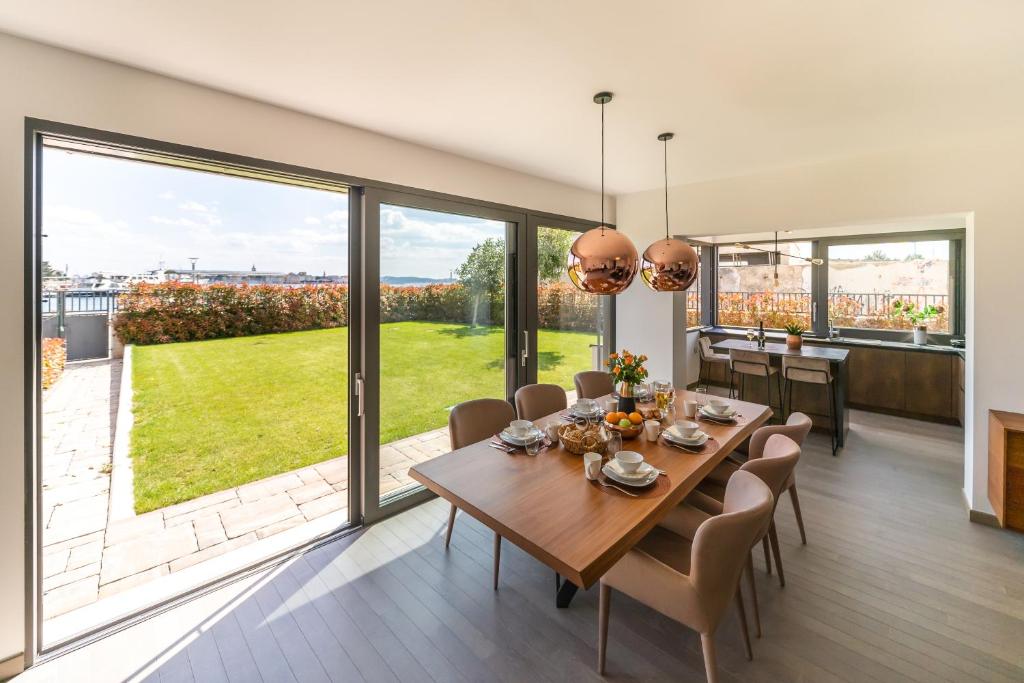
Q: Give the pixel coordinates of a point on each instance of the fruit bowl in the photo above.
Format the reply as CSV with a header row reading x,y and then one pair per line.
x,y
629,426
626,432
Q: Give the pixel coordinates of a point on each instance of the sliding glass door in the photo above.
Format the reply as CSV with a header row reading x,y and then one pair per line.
x,y
445,330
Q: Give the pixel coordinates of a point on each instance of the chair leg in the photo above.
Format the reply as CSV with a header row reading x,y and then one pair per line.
x,y
604,601
773,536
767,557
835,419
753,592
707,643
451,525
796,509
743,623
732,379
497,558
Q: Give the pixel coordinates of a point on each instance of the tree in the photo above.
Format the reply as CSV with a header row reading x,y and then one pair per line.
x,y
552,249
483,273
877,255
50,271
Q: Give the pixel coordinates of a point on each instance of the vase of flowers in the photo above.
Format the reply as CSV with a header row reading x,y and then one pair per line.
x,y
627,370
794,338
918,317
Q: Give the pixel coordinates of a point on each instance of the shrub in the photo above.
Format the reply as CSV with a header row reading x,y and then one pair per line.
x,y
176,311
54,357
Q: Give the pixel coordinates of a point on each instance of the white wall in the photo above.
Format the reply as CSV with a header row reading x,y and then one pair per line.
x,y
980,179
48,83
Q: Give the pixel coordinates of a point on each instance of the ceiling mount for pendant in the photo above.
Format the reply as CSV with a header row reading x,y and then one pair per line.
x,y
670,264
602,260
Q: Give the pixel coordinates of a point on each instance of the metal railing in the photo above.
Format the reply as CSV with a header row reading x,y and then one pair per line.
x,y
66,301
864,303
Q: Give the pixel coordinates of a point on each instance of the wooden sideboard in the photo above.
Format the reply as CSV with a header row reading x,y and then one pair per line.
x,y
1006,468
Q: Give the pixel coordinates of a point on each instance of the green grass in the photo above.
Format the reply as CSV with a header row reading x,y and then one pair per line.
x,y
216,414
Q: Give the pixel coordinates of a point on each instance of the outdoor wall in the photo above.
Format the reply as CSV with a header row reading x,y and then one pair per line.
x,y
977,179
49,83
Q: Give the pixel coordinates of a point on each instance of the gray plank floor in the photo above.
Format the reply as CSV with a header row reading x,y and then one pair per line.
x,y
894,585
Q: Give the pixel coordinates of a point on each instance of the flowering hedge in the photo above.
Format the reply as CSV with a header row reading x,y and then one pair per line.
x,y
54,357
745,309
175,311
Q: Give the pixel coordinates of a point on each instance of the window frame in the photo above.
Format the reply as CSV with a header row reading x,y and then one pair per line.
x,y
820,282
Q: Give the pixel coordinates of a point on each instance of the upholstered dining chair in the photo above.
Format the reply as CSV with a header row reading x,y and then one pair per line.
x,y
537,400
815,371
468,423
593,383
797,427
709,357
779,456
748,363
692,582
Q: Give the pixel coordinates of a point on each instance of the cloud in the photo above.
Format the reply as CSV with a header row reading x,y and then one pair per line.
x,y
191,205
312,220
167,194
180,221
337,216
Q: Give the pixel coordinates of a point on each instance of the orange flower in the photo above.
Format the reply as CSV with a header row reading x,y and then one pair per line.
x,y
617,370
608,363
628,360
614,356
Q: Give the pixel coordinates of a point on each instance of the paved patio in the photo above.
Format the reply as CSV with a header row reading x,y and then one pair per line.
x,y
86,559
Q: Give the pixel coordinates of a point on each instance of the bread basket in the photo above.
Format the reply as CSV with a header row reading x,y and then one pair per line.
x,y
585,438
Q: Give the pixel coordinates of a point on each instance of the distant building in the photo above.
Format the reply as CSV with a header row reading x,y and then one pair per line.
x,y
252,277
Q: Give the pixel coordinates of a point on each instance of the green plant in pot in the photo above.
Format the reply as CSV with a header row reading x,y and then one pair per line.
x,y
918,317
794,335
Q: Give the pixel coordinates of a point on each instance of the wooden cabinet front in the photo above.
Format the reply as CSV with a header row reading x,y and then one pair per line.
x,y
877,378
929,384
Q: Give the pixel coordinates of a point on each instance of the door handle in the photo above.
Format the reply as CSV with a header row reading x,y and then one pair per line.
x,y
526,347
360,390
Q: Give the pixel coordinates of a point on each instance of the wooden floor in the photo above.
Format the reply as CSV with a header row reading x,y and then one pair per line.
x,y
895,584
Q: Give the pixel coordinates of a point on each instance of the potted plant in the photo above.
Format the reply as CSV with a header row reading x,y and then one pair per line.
x,y
918,317
794,338
628,370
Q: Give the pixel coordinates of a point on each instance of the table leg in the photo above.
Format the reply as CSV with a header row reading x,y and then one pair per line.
x,y
565,594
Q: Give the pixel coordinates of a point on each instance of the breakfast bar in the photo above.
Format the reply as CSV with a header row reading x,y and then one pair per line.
x,y
806,398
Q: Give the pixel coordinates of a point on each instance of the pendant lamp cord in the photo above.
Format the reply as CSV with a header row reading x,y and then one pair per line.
x,y
666,188
602,167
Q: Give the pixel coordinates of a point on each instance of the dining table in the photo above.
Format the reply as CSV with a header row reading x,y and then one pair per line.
x,y
545,505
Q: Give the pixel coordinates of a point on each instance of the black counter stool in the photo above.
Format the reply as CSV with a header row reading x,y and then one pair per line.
x,y
753,364
812,371
707,359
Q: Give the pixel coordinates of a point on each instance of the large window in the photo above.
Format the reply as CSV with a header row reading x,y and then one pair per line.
x,y
693,296
752,288
886,285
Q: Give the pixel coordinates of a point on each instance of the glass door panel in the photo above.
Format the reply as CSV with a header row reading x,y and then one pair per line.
x,y
445,331
570,325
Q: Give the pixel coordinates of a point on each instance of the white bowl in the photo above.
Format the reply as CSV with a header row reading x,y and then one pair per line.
x,y
629,461
718,405
686,428
520,427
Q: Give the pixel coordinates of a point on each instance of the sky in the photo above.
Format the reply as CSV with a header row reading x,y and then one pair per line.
x,y
115,215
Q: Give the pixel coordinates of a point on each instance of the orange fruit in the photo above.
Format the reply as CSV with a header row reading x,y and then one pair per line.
x,y
614,417
635,417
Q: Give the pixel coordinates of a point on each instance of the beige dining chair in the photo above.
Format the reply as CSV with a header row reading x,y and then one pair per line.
x,y
692,582
774,467
534,401
709,357
468,423
816,371
747,363
797,427
593,383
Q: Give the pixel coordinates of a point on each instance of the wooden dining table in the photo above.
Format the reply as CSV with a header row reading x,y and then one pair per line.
x,y
547,507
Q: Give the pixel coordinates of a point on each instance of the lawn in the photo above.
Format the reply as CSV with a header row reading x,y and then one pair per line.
x,y
215,414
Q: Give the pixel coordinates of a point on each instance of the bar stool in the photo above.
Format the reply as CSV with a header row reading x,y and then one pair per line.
x,y
812,371
754,364
707,358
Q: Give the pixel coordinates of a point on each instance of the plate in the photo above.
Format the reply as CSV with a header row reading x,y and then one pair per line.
x,y
694,442
615,475
642,472
597,412
509,438
708,410
718,417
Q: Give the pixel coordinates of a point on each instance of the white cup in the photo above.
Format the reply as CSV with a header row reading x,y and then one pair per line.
x,y
585,406
552,431
652,428
520,427
690,408
591,465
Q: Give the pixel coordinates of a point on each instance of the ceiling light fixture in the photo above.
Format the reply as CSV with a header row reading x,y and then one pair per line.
x,y
669,265
602,260
774,255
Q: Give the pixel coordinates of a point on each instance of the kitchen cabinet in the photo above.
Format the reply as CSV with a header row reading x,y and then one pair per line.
x,y
877,378
929,386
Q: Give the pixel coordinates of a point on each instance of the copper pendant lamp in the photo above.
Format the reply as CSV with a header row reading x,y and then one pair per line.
x,y
669,265
602,260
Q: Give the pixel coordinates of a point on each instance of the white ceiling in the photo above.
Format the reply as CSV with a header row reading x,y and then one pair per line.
x,y
745,86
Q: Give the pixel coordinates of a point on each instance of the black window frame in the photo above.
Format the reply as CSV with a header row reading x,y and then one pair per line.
x,y
820,284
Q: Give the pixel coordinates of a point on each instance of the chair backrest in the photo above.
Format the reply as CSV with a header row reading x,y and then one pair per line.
x,y
810,370
776,464
722,544
537,400
593,383
704,344
797,427
477,420
749,362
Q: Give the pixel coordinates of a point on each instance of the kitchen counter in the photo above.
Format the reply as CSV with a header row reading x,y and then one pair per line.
x,y
842,341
